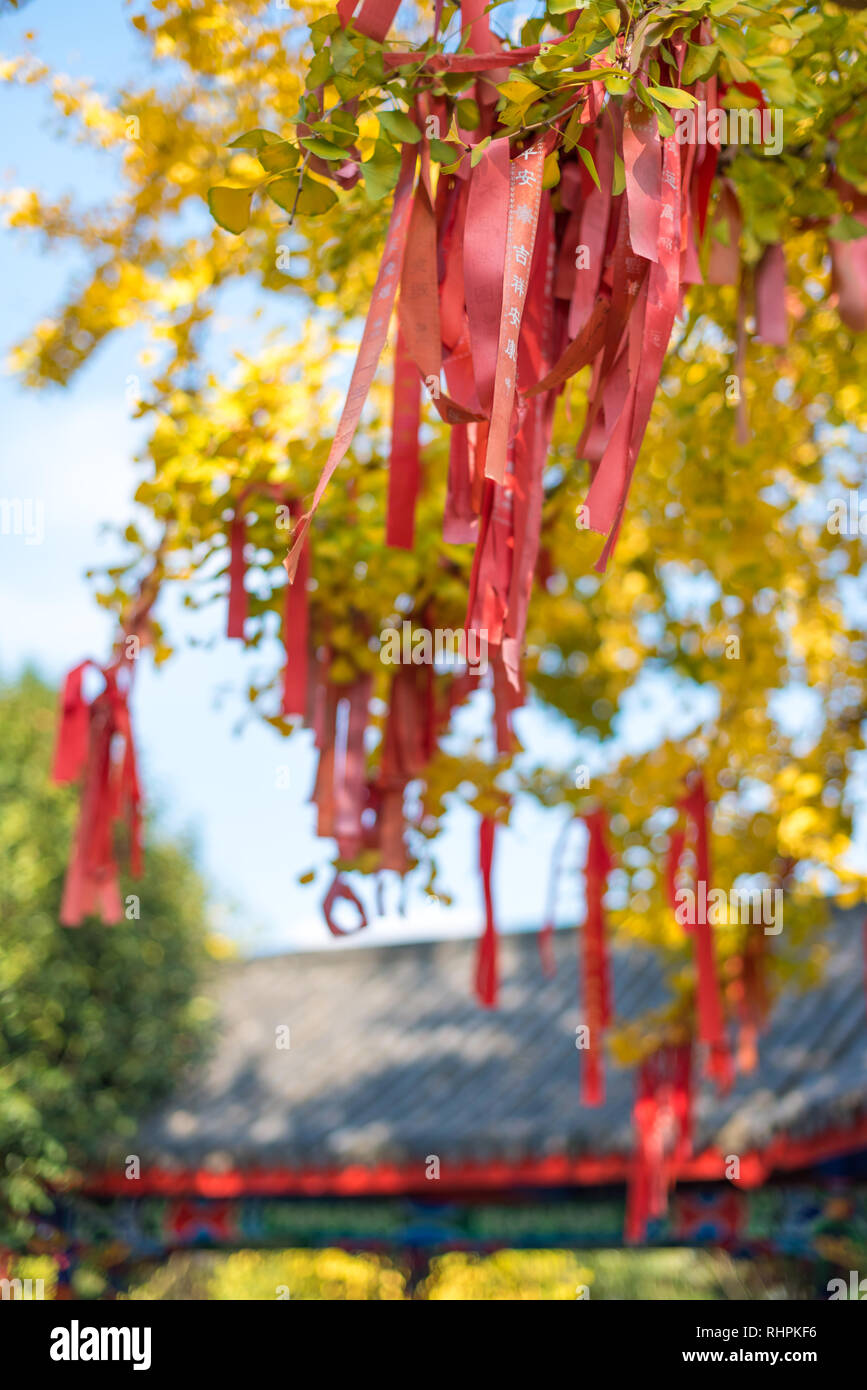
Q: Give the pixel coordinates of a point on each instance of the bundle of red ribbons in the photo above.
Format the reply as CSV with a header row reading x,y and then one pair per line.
x,y
506,290
95,744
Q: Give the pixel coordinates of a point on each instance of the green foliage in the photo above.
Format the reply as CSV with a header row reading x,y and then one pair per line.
x,y
96,1022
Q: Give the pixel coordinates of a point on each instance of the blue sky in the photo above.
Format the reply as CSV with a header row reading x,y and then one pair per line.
x,y
74,450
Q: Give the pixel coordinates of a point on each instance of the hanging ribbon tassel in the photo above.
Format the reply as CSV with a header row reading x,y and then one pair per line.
x,y
403,468
596,982
662,1118
711,1024
339,890
374,18
70,751
525,200
486,964
237,574
296,636
109,791
752,1002
372,344
770,292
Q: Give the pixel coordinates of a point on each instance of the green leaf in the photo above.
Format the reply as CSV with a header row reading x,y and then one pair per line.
x,y
467,113
348,87
399,126
551,170
323,149
609,13
255,140
699,60
343,50
344,122
573,132
673,97
320,29
230,208
617,85
847,228
320,70
381,171
313,200
587,161
618,182
277,159
478,150
664,120
441,152
330,130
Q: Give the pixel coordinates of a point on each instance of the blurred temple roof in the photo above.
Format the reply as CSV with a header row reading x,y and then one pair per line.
x,y
392,1060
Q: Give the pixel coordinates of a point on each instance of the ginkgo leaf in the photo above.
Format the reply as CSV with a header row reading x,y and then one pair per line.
x,y
276,159
323,149
478,150
442,152
255,140
467,114
314,199
381,171
399,126
230,207
847,228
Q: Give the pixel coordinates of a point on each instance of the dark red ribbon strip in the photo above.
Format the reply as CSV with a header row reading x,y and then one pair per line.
x,y
486,964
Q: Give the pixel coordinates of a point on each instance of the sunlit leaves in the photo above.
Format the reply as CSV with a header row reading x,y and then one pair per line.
x,y
313,200
399,127
381,171
230,207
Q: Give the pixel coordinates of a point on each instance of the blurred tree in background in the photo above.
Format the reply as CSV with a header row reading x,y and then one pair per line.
x,y
96,1023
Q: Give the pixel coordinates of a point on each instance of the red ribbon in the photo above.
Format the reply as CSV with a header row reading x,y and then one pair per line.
x,y
525,200
70,751
484,259
87,741
374,18
404,468
771,324
237,572
339,889
296,635
711,1023
596,982
486,964
662,1117
372,343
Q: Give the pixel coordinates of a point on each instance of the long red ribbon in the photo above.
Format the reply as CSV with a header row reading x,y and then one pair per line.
x,y
711,1023
596,983
372,343
486,964
404,471
525,197
237,572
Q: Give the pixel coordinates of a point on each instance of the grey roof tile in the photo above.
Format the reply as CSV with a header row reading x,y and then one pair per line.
x,y
392,1059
